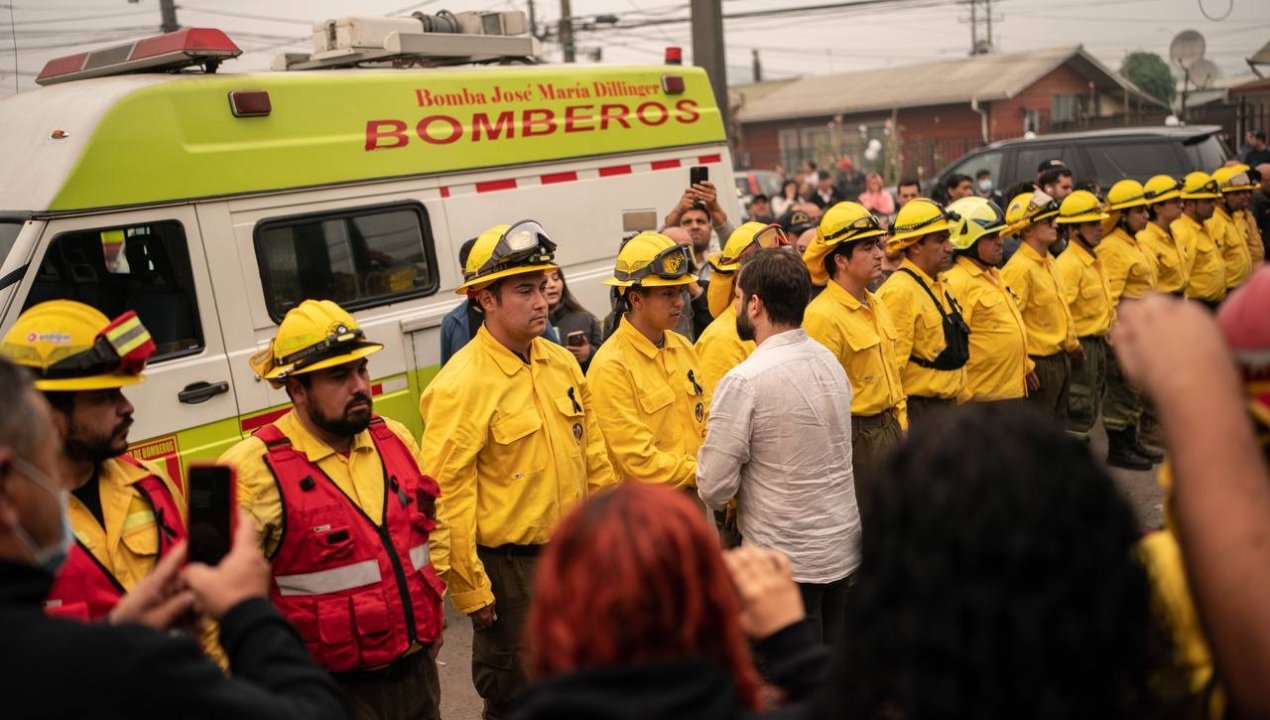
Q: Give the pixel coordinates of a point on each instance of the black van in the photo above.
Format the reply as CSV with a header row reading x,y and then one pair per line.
x,y
1102,155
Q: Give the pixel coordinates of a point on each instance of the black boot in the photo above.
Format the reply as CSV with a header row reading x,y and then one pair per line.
x,y
1120,452
1145,451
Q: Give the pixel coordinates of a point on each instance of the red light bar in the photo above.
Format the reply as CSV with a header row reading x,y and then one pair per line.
x,y
674,55
162,53
672,84
250,103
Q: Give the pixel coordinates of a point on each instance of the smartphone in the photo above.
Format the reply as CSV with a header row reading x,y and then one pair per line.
x,y
698,174
211,512
577,338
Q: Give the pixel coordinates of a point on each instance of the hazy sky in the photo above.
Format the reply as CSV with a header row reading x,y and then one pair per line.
x,y
894,33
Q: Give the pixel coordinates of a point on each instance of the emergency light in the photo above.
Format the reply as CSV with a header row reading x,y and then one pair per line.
x,y
162,53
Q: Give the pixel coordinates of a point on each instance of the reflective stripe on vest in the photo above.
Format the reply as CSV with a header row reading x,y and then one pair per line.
x,y
348,577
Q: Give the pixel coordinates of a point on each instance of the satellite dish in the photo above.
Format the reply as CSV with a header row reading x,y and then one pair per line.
x,y
1187,47
1203,73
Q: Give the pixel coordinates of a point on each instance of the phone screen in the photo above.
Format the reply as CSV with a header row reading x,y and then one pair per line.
x,y
211,496
698,174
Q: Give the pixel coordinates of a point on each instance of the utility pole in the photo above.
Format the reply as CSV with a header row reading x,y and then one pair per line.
x,y
707,52
980,27
974,27
533,22
168,10
566,31
758,67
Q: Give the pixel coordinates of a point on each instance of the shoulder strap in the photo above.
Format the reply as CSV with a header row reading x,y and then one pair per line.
x,y
929,292
271,436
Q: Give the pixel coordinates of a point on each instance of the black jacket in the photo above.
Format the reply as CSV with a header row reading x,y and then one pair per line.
x,y
52,668
688,689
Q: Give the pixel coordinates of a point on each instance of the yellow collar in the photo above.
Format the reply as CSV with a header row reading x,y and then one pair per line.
x,y
313,448
630,335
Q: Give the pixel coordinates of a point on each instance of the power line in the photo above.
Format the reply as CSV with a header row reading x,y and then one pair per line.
x,y
78,19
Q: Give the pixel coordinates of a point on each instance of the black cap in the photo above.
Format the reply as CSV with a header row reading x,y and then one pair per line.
x,y
1259,134
796,222
1050,165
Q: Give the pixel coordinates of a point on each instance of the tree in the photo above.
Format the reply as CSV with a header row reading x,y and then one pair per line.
x,y
1150,73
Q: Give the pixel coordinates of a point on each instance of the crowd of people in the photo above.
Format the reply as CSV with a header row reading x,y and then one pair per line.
x,y
820,465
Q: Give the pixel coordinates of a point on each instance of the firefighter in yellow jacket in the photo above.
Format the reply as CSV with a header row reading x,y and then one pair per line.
x,y
1231,240
1205,267
719,347
1131,274
845,256
1033,278
999,366
512,438
125,514
645,379
932,341
1242,185
1163,196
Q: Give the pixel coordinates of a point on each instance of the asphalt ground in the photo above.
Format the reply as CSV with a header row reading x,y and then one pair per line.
x,y
459,700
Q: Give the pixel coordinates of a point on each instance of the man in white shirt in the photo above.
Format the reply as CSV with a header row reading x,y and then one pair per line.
x,y
779,440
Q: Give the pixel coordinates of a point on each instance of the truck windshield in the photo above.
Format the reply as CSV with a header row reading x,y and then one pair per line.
x,y
9,230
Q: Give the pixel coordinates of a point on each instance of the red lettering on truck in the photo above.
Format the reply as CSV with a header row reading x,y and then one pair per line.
x,y
506,122
391,130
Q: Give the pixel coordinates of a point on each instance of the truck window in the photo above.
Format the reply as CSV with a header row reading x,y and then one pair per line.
x,y
358,258
1138,160
1029,157
143,267
1205,153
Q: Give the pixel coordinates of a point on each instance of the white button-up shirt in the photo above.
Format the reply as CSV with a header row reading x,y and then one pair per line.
x,y
779,440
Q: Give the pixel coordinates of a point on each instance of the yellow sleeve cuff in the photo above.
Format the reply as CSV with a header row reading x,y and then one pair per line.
x,y
470,601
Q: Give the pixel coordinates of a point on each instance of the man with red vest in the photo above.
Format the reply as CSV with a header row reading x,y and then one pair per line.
x,y
345,516
124,513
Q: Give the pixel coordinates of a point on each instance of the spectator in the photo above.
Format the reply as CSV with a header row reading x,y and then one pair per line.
x,y
985,188
636,617
1261,205
876,198
804,239
788,198
798,497
131,667
578,329
1044,167
1056,183
907,189
957,186
695,316
1221,497
825,195
1035,608
700,214
1257,153
761,209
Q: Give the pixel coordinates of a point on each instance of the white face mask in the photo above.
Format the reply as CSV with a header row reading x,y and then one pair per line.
x,y
52,558
985,186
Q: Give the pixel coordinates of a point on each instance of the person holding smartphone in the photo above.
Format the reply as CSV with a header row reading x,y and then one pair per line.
x,y
579,331
124,513
346,517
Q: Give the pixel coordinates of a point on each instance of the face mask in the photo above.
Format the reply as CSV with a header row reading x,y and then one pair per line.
x,y
50,559
985,186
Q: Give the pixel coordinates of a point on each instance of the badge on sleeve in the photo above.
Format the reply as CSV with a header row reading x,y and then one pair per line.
x,y
700,412
577,433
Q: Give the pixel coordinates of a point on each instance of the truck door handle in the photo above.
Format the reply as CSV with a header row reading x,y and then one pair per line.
x,y
198,392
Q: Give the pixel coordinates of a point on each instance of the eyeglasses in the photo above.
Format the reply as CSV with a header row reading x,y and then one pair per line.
x,y
859,225
772,236
123,346
524,243
669,264
339,338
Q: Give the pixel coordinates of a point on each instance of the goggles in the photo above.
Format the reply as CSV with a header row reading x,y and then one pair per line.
x,y
1153,194
524,243
341,339
1034,211
772,236
863,224
669,264
943,214
123,347
1209,187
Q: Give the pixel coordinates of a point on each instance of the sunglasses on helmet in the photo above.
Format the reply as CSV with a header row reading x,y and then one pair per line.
x,y
669,264
524,243
859,225
769,237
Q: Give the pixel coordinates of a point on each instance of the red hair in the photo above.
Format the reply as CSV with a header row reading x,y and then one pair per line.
x,y
635,575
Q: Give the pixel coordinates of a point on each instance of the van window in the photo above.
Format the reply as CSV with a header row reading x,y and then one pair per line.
x,y
143,267
358,258
1205,152
1138,160
1028,158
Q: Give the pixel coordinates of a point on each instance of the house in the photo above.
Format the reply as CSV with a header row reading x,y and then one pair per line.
x,y
924,116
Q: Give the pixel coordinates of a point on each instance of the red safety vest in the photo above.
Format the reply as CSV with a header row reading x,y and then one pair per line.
x,y
359,593
84,589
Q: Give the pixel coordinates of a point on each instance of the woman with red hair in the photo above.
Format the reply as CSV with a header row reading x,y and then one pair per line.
x,y
637,614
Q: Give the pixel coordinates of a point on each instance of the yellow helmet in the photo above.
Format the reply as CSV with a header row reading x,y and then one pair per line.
x,y
1200,186
71,346
506,250
314,335
1126,194
745,238
845,222
976,218
1028,209
1233,178
651,259
1081,206
1161,188
918,217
